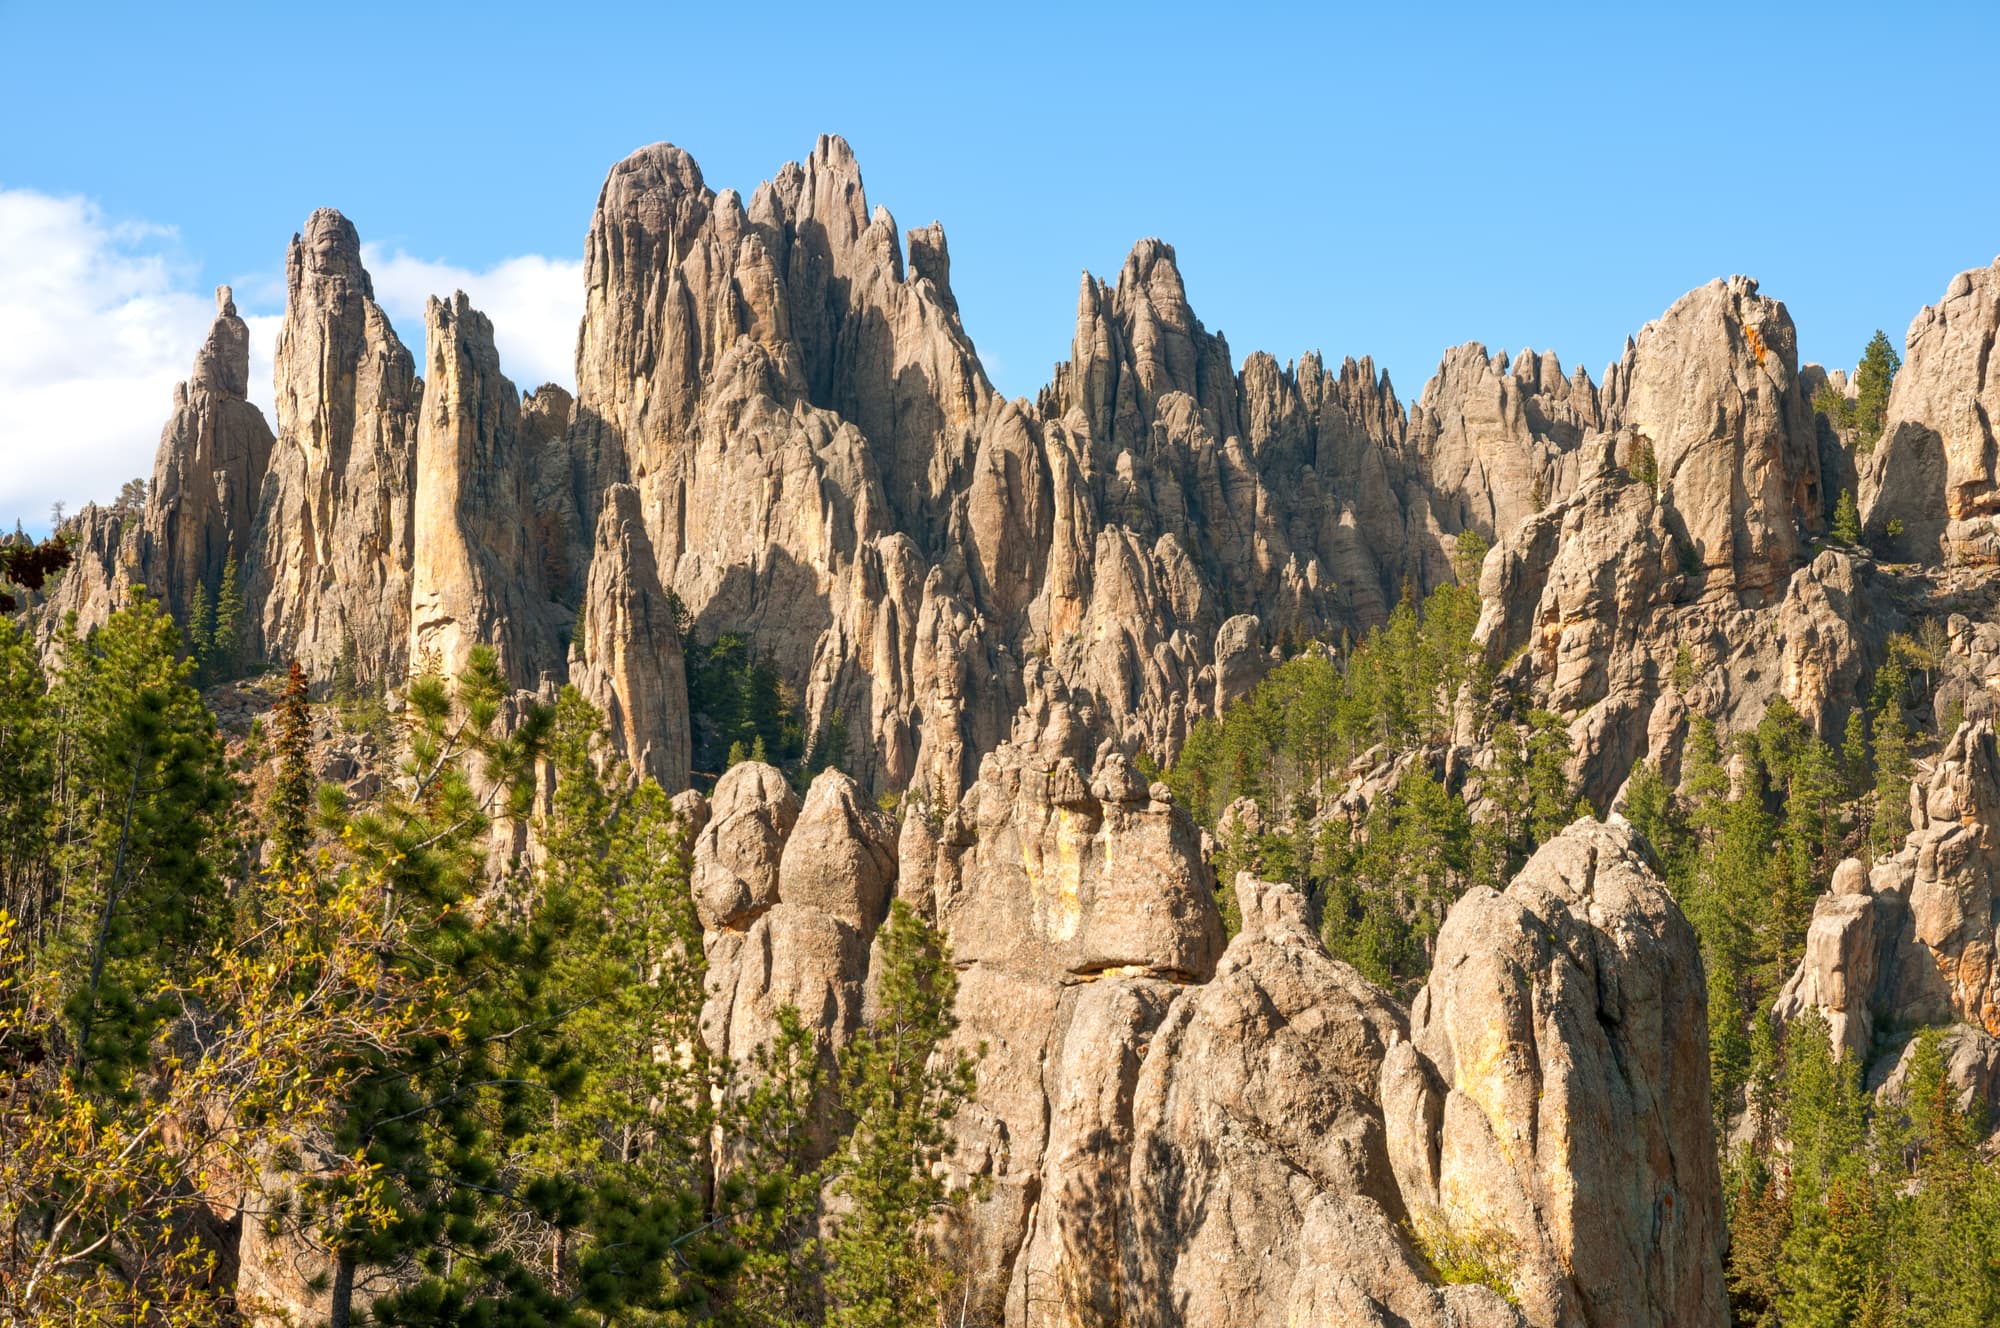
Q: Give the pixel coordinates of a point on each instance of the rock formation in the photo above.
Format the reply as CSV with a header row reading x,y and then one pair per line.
x,y
1168,1132
1499,440
781,429
1559,1088
477,573
335,539
1933,469
781,424
1712,388
1678,576
1912,942
213,454
626,655
202,503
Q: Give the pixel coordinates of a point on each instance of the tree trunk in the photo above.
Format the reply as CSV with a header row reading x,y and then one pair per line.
x,y
341,1312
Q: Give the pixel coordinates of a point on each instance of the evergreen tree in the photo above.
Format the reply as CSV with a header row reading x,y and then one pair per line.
x,y
227,646
438,1127
1846,519
623,1149
199,630
1644,465
290,810
1890,820
1552,797
1856,764
902,1088
27,778
1653,810
1872,380
145,803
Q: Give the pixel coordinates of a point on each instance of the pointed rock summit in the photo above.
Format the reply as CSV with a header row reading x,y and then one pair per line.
x,y
335,538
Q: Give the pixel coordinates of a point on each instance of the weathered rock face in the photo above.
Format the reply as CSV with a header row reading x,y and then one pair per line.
x,y
1676,577
1713,387
789,898
335,535
1500,440
1560,1089
100,578
1296,477
208,471
841,855
1863,968
1257,1098
478,571
1933,469
1952,860
822,464
1594,607
626,655
203,502
1063,874
737,855
788,401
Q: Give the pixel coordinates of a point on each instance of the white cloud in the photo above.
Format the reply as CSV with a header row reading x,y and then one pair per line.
x,y
98,320
100,317
535,304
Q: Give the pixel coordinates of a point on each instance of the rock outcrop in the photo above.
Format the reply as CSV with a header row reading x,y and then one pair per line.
x,y
1679,575
1558,1092
1256,1100
1712,389
789,897
1911,943
1500,440
781,429
208,471
335,536
1933,469
626,655
202,504
478,570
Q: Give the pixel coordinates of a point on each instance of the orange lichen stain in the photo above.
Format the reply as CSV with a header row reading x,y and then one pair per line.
x,y
1756,339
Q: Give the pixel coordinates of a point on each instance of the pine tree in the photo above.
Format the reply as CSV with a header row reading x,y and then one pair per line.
x,y
624,1146
290,810
200,630
1872,381
1856,765
145,801
1728,900
1890,820
27,777
902,1088
228,639
1552,797
439,1126
1644,466
1846,519
1653,810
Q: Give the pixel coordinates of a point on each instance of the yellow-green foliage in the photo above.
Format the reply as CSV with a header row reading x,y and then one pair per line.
x,y
1467,1253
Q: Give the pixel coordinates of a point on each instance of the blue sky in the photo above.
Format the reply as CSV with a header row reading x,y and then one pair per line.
x,y
1360,181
